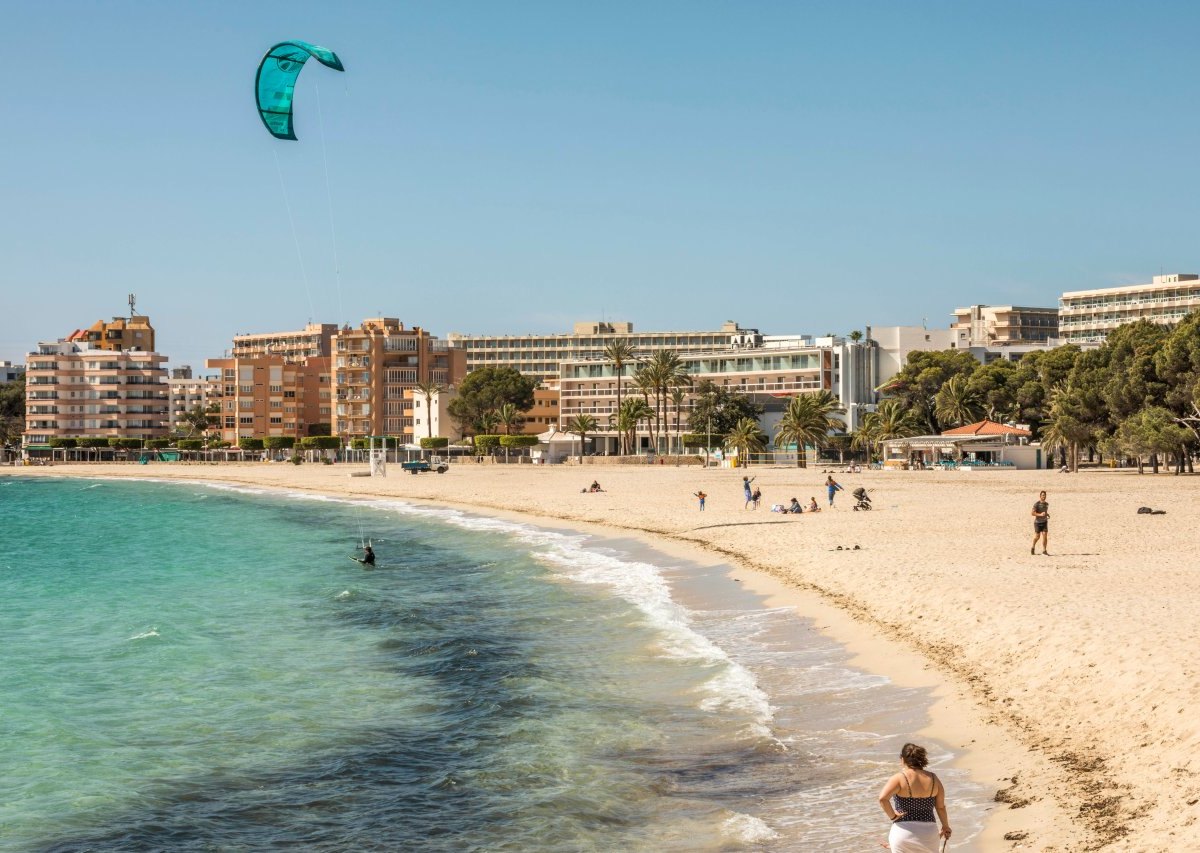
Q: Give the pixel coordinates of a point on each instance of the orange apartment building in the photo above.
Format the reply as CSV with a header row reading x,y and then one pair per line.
x,y
104,381
376,367
272,395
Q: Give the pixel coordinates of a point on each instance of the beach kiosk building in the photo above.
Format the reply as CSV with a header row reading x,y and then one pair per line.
x,y
984,444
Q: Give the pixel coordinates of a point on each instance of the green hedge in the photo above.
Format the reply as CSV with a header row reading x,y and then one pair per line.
x,y
218,444
250,443
321,442
486,443
63,442
158,443
692,439
189,444
435,443
93,441
125,443
358,444
516,441
279,442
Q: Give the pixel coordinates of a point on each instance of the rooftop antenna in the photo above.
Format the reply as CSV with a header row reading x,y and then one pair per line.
x,y
132,303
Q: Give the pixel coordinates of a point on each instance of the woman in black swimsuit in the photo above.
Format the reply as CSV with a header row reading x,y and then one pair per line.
x,y
910,799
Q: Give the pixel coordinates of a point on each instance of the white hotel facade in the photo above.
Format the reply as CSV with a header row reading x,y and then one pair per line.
x,y
1087,316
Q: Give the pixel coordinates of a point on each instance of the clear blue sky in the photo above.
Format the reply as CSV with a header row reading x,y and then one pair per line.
x,y
512,167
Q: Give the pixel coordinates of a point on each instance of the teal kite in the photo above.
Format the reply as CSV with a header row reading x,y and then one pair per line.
x,y
276,81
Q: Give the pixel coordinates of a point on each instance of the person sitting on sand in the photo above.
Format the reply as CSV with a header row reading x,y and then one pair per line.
x,y
795,507
910,799
595,487
812,505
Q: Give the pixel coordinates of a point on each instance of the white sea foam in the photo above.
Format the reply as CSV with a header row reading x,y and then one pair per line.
x,y
746,829
345,593
153,632
733,687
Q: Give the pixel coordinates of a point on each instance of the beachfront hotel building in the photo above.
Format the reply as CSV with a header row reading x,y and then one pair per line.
x,y
376,367
1087,316
77,388
771,370
539,356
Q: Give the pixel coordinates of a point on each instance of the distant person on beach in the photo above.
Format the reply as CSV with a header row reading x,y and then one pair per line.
x,y
831,486
756,497
812,504
1041,524
795,507
701,496
595,486
746,481
909,799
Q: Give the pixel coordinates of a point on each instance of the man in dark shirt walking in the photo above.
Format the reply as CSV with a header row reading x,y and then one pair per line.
x,y
1041,524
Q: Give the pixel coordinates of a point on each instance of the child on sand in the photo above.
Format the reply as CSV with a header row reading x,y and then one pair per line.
x,y
832,486
756,497
746,481
701,496
812,505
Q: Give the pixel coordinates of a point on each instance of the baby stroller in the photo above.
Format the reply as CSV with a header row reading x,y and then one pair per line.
x,y
862,499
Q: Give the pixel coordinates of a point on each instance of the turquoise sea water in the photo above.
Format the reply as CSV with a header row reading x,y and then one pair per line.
x,y
192,667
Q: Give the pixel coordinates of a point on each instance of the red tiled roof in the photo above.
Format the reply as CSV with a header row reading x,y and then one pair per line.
x,y
986,427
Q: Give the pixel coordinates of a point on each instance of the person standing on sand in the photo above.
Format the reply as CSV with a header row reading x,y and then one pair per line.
x,y
1041,524
701,496
746,481
831,486
756,497
909,799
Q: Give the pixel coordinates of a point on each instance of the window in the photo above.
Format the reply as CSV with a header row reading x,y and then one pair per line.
x,y
276,419
246,420
230,422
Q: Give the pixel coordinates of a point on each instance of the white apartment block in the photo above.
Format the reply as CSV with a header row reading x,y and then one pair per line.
x,y
10,372
539,356
1002,325
1087,316
186,393
75,389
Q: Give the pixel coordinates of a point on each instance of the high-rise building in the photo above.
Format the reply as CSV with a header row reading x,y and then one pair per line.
x,y
1001,325
1087,316
75,388
539,355
376,367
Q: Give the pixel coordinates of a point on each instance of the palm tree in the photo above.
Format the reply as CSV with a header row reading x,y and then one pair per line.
x,y
956,403
889,420
666,371
746,437
856,336
644,380
509,416
486,423
633,411
678,398
808,419
620,353
582,424
428,390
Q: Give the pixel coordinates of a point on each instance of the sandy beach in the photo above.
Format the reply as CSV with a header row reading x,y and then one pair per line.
x,y
1068,679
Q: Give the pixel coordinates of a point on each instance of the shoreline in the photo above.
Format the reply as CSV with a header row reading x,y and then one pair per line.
x,y
986,747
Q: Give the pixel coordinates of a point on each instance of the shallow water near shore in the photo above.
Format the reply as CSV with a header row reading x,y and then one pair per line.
x,y
201,667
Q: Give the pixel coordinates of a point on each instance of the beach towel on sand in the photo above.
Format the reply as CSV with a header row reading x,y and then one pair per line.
x,y
910,836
